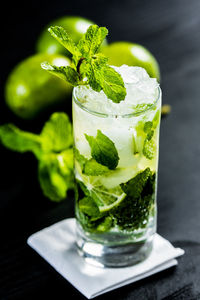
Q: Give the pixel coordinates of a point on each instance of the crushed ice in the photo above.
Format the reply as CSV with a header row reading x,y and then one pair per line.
x,y
140,88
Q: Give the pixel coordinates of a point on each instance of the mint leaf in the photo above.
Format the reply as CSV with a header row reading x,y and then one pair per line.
x,y
87,75
80,158
57,71
64,39
19,140
102,76
89,167
133,188
147,126
149,148
55,174
112,84
105,225
95,76
91,41
89,207
103,150
66,73
72,76
57,133
149,145
65,161
99,60
134,211
53,185
144,142
92,76
93,168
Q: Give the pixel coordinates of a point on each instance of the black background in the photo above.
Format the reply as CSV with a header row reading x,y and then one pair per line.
x,y
171,30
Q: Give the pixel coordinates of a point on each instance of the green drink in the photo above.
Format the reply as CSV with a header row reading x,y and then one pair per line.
x,y
116,119
116,161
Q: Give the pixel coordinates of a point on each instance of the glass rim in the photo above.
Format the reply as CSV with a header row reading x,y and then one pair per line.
x,y
107,115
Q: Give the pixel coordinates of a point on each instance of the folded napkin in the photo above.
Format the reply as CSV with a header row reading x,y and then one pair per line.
x,y
56,244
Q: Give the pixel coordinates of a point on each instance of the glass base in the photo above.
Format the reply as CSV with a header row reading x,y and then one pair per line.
x,y
113,256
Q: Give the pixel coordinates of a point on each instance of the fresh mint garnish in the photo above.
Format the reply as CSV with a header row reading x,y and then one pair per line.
x,y
90,43
64,39
103,150
88,67
112,84
53,149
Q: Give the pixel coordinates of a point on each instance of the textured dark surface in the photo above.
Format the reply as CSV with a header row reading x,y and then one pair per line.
x,y
170,29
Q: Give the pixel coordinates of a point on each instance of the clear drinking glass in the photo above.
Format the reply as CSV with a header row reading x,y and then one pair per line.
x,y
116,211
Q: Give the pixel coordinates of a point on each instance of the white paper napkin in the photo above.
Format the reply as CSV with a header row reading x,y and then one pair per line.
x,y
56,244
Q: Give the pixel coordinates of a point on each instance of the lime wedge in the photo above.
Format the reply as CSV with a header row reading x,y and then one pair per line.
x,y
106,199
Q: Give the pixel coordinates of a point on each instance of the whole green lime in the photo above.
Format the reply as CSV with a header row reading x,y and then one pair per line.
x,y
131,54
75,27
30,89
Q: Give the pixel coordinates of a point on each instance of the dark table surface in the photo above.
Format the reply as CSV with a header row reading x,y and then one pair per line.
x,y
171,30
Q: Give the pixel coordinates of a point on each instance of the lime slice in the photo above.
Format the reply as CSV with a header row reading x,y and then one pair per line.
x,y
106,199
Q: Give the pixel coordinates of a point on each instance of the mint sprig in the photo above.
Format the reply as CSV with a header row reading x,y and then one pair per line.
x,y
88,67
53,150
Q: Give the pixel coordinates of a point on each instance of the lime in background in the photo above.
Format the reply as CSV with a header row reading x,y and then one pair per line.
x,y
30,89
132,54
75,27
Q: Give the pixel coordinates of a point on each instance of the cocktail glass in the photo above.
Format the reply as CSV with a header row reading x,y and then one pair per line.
x,y
116,210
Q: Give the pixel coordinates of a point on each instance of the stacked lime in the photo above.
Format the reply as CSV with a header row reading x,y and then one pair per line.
x,y
29,89
75,27
131,54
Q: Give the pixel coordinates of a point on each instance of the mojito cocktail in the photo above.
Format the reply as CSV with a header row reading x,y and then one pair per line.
x,y
116,120
116,160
